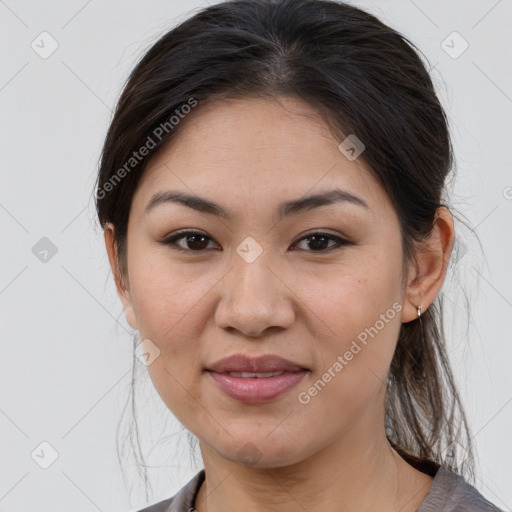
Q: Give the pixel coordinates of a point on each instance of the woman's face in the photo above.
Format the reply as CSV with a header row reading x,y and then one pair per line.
x,y
267,278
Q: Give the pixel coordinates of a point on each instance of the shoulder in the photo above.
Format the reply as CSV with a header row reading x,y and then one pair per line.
x,y
182,501
451,493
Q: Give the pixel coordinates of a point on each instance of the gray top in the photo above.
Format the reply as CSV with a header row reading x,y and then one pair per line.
x,y
449,493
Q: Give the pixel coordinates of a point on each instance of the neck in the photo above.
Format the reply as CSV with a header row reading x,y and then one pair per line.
x,y
347,475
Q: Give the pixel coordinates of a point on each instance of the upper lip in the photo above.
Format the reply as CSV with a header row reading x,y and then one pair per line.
x,y
261,364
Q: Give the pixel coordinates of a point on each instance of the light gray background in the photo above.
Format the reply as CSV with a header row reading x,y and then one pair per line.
x,y
65,363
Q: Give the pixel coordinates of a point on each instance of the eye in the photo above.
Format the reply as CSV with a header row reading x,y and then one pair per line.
x,y
318,241
193,241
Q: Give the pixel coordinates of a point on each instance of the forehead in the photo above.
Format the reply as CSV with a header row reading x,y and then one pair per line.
x,y
255,149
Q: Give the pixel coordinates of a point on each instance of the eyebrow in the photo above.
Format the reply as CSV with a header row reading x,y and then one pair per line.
x,y
285,209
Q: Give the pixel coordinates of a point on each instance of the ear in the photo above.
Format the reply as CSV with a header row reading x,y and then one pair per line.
x,y
122,289
427,274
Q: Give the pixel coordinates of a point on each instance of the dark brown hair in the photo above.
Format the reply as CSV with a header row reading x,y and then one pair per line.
x,y
364,78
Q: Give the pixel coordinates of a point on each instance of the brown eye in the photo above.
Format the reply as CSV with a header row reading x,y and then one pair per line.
x,y
192,241
318,242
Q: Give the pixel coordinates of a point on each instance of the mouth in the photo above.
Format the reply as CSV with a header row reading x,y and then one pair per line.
x,y
248,375
242,363
255,380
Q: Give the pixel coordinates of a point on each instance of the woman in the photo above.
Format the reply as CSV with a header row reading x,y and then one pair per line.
x,y
271,190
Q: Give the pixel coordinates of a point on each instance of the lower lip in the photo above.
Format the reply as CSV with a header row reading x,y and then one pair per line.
x,y
254,390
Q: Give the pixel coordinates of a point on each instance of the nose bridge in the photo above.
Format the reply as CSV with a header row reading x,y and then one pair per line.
x,y
253,297
253,277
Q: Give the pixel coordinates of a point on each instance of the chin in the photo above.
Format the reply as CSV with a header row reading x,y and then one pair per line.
x,y
257,449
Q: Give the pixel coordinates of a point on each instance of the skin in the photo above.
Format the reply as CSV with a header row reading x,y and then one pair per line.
x,y
295,300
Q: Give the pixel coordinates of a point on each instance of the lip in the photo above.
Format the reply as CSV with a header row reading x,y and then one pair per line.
x,y
256,389
261,364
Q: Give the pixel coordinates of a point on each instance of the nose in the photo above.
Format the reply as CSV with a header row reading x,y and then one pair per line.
x,y
255,298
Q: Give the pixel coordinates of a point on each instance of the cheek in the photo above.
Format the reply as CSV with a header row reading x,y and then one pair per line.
x,y
169,308
353,363
350,297
167,300
359,311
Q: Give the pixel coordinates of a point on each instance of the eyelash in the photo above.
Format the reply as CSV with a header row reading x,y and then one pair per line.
x,y
171,241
